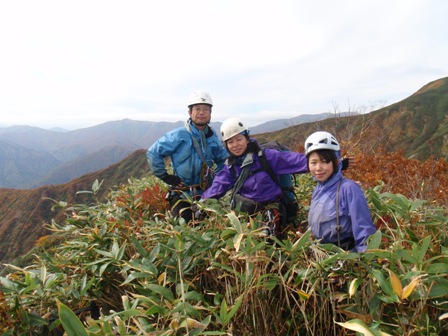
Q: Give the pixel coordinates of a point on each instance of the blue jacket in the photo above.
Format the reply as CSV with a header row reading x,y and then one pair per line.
x,y
186,162
259,186
354,215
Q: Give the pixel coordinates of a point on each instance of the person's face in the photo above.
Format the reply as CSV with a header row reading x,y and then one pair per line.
x,y
200,114
320,169
237,144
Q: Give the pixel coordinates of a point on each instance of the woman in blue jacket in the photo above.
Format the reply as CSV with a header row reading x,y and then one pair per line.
x,y
338,213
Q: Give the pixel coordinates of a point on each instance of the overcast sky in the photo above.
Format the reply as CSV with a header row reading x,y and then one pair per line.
x,y
76,64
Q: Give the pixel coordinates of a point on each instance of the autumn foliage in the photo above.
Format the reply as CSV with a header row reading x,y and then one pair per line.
x,y
412,178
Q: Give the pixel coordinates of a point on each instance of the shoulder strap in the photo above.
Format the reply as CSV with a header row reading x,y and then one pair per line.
x,y
196,144
338,225
247,164
198,149
268,169
266,166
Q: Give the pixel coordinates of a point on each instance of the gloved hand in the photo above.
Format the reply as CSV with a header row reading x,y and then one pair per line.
x,y
345,163
199,215
197,212
172,180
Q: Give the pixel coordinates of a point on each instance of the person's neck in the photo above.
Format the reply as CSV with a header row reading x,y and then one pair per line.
x,y
199,127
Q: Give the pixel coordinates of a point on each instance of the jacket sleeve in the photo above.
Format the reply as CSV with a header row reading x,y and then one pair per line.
x,y
221,157
359,213
161,149
222,183
220,154
283,162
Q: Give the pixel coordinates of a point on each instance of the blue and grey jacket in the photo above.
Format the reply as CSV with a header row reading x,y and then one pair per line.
x,y
354,215
186,162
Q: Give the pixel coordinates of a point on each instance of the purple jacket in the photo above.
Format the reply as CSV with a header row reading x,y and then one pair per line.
x,y
259,186
354,214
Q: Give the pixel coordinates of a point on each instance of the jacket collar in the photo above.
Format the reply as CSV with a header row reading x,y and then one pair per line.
x,y
191,128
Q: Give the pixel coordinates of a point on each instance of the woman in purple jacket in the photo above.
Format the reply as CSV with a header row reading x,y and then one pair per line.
x,y
252,187
338,213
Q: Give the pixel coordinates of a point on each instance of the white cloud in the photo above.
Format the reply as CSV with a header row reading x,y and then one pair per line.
x,y
82,63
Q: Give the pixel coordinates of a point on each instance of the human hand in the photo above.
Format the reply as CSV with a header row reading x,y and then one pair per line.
x,y
349,162
172,180
198,213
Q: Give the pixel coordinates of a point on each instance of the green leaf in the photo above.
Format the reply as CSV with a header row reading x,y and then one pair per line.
x,y
143,265
165,292
104,253
7,285
354,286
438,290
437,268
129,313
194,296
237,241
223,312
234,309
270,281
138,246
186,309
302,241
359,326
374,241
35,320
406,255
424,248
86,286
137,275
235,222
96,186
385,285
72,325
103,268
121,326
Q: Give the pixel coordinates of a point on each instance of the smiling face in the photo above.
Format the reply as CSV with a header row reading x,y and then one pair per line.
x,y
319,167
200,114
237,144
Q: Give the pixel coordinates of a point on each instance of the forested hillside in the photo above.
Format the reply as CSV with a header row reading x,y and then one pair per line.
x,y
25,213
417,126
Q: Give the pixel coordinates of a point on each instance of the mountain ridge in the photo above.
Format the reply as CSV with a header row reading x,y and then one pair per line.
x,y
71,154
24,212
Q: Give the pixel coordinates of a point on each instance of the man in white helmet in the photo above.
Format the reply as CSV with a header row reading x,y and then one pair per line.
x,y
195,151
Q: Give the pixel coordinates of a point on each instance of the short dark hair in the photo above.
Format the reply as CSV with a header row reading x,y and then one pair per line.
x,y
326,155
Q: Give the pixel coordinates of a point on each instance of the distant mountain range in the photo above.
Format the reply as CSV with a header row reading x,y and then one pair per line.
x,y
31,157
417,125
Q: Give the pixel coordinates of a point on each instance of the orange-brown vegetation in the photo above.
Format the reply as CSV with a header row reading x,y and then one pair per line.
x,y
145,203
426,180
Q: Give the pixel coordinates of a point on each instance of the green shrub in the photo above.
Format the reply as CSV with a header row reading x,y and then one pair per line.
x,y
151,274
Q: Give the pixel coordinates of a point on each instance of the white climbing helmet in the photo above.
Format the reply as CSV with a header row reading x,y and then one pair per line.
x,y
200,97
232,127
321,140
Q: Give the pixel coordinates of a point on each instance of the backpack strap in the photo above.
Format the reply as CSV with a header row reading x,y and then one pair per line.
x,y
245,172
266,166
268,169
338,225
